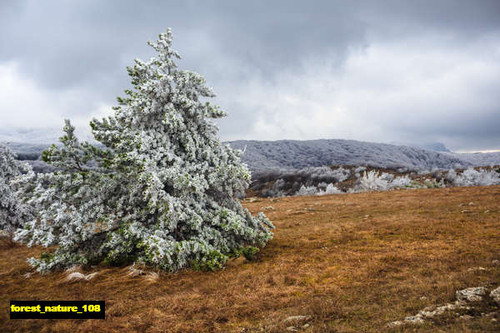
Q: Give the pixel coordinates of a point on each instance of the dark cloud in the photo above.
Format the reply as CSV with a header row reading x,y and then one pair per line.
x,y
262,58
63,43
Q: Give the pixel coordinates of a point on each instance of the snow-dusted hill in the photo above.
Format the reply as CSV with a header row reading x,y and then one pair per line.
x,y
480,159
291,154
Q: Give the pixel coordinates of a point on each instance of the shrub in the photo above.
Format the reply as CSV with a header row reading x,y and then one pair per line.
x,y
481,177
373,181
401,182
249,252
306,190
330,189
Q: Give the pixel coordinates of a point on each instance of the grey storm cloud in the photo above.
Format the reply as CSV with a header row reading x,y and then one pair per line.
x,y
366,70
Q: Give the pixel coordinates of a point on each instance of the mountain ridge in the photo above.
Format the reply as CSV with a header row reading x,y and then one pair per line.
x,y
296,154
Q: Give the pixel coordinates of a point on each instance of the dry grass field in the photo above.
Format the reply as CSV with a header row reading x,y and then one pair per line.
x,y
351,263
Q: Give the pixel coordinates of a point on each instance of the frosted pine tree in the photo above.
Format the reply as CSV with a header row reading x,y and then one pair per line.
x,y
13,212
161,192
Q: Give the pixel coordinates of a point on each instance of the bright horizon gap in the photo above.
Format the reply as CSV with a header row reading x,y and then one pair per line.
x,y
477,151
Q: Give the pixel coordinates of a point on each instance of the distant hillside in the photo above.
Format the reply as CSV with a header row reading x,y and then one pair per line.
x,y
291,154
480,159
27,151
436,146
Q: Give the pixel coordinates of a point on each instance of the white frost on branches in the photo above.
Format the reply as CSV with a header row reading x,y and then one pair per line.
x,y
162,191
472,177
322,189
330,189
306,190
13,212
401,182
373,181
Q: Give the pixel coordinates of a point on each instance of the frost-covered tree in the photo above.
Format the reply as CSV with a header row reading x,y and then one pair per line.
x,y
162,190
13,212
373,181
451,176
329,189
401,182
358,170
306,191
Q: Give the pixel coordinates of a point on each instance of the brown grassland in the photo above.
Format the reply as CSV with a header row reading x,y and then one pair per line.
x,y
352,262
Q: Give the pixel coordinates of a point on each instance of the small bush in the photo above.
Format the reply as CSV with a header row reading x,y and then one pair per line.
x,y
373,181
249,252
211,262
472,177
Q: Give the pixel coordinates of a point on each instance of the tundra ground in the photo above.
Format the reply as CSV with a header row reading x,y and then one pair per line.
x,y
348,262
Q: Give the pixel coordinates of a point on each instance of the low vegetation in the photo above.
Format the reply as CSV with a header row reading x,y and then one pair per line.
x,y
350,179
338,263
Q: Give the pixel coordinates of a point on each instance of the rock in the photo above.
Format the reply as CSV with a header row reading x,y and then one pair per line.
x,y
495,262
396,323
474,294
296,318
268,208
466,211
472,269
463,296
305,326
429,308
292,329
428,314
495,295
417,319
432,311
77,276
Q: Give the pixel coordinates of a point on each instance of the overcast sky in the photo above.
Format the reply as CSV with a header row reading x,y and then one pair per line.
x,y
381,71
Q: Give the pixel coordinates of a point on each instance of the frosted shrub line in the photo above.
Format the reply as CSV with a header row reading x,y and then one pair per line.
x,y
374,180
322,189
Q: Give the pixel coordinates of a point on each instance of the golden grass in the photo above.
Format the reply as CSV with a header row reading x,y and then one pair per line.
x,y
352,262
